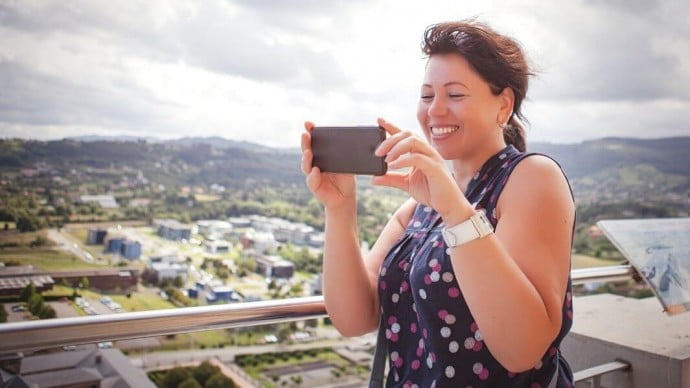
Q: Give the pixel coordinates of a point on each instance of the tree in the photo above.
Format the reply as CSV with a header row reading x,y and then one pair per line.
x,y
27,292
175,377
35,304
219,380
178,281
204,371
84,282
27,223
46,312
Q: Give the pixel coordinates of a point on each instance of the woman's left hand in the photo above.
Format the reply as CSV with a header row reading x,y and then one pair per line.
x,y
428,181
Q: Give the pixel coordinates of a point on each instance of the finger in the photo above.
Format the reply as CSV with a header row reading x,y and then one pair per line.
x,y
410,144
307,159
422,162
392,179
389,127
391,141
308,125
314,179
306,141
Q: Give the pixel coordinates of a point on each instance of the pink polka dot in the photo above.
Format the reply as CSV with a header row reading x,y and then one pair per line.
x,y
484,374
442,314
511,374
392,319
406,266
420,351
413,327
432,355
415,364
408,384
404,287
395,337
474,327
383,284
454,292
424,333
437,268
569,314
427,279
401,265
552,351
477,346
398,362
535,385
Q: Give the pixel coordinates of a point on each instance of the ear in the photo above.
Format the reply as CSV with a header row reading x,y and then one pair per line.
x,y
506,102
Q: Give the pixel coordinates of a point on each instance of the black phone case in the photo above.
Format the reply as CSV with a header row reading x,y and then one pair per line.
x,y
348,150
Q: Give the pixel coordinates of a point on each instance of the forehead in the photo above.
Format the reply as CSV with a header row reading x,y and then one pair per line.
x,y
444,68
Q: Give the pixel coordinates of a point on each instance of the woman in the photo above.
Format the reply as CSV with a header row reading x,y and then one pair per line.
x,y
471,274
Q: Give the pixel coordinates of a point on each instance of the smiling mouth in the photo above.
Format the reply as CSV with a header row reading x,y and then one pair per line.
x,y
438,131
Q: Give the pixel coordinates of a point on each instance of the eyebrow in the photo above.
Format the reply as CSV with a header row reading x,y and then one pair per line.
x,y
450,83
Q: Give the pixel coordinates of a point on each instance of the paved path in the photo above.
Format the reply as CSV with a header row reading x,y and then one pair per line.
x,y
68,244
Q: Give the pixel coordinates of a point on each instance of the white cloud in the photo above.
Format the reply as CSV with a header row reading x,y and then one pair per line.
x,y
256,70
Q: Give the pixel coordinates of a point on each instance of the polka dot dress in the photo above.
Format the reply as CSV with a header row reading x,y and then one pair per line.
x,y
433,340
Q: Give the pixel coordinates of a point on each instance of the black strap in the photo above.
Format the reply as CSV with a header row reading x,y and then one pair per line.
x,y
378,364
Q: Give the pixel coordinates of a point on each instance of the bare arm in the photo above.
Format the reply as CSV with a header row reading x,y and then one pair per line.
x,y
350,280
514,281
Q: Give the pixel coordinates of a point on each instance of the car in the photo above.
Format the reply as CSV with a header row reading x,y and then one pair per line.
x,y
18,307
105,345
69,348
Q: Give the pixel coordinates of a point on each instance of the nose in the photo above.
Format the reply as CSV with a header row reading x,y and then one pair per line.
x,y
437,107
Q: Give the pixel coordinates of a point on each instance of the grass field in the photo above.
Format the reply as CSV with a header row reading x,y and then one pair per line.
x,y
45,259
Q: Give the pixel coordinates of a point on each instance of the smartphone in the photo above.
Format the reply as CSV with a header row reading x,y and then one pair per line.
x,y
348,150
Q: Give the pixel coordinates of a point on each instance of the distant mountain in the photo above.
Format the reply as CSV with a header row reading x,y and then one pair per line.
x,y
667,155
618,164
123,138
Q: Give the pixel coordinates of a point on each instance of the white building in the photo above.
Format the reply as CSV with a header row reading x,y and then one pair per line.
x,y
214,228
170,270
217,246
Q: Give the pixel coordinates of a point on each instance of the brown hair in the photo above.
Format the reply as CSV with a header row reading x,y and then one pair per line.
x,y
498,59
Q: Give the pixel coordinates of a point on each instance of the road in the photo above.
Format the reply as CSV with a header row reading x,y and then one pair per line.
x,y
67,244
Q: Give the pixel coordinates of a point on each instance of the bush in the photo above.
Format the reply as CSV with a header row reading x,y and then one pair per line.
x,y
175,377
46,312
190,383
204,371
219,380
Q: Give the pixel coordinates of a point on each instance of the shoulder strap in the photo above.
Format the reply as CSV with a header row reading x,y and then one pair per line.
x,y
378,364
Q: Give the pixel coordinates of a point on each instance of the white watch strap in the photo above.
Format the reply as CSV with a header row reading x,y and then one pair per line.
x,y
473,228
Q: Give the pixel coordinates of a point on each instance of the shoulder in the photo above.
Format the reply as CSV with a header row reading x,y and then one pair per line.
x,y
537,179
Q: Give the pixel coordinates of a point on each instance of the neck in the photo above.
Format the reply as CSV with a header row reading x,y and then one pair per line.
x,y
466,166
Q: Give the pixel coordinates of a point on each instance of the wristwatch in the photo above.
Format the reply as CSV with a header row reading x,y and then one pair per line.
x,y
473,228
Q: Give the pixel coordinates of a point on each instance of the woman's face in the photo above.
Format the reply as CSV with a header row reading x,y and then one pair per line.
x,y
457,111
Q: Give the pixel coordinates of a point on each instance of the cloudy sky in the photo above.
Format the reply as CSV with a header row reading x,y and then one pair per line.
x,y
255,70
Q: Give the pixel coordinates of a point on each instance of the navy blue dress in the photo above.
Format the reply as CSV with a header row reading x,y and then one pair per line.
x,y
433,340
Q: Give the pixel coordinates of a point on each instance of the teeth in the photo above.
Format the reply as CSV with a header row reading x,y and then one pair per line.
x,y
443,130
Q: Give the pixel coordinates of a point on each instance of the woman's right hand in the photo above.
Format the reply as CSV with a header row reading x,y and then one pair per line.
x,y
332,190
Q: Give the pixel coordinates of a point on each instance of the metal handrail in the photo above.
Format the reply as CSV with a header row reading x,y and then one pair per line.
x,y
33,335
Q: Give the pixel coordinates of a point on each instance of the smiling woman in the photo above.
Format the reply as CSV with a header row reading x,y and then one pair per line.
x,y
469,280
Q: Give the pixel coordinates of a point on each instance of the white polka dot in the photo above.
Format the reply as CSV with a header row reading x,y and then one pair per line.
x,y
395,328
395,298
396,376
478,335
417,224
433,384
433,263
421,343
397,249
445,332
427,209
414,386
448,251
469,343
388,333
447,277
383,271
435,276
502,156
414,307
477,368
394,356
539,365
429,362
422,293
453,346
450,372
450,319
